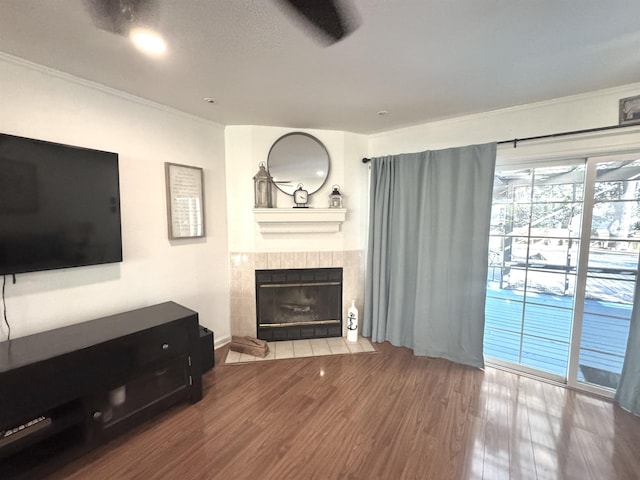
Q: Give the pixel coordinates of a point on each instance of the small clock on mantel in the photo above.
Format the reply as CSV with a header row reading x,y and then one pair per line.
x,y
300,197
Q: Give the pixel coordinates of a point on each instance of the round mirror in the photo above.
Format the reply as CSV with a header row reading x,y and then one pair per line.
x,y
298,158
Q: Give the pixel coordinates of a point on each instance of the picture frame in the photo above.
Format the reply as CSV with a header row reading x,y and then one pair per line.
x,y
629,110
185,201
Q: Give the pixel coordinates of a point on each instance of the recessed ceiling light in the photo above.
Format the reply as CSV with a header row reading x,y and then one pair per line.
x,y
209,100
148,41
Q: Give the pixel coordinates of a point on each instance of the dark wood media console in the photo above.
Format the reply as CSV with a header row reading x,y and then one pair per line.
x,y
65,391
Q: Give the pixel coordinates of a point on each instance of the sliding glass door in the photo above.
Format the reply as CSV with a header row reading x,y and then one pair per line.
x,y
609,273
534,244
563,262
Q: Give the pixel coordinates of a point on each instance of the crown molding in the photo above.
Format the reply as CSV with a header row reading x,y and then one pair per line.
x,y
101,88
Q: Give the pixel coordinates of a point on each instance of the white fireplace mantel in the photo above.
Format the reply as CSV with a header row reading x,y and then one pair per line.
x,y
299,220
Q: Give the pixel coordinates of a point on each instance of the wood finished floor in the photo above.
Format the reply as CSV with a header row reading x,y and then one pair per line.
x,y
385,415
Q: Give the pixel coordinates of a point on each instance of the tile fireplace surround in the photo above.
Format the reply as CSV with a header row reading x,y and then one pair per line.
x,y
243,288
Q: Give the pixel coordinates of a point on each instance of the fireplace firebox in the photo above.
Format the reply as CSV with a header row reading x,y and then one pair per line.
x,y
299,303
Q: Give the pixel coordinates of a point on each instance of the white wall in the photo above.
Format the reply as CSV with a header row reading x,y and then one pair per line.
x,y
40,103
247,146
591,110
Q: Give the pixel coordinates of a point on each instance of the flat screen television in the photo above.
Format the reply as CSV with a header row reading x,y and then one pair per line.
x,y
59,206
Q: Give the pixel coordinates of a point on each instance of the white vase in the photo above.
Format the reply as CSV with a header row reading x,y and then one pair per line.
x,y
352,323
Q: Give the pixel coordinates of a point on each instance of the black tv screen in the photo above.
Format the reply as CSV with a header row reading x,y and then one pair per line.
x,y
59,206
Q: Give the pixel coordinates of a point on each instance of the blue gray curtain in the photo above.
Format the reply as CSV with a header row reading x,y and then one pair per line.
x,y
427,251
628,392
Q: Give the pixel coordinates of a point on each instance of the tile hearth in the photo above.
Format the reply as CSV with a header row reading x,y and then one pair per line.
x,y
305,348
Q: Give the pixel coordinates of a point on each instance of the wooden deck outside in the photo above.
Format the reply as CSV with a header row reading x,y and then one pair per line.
x,y
546,333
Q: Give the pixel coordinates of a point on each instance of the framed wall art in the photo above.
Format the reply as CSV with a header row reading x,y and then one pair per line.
x,y
630,110
185,201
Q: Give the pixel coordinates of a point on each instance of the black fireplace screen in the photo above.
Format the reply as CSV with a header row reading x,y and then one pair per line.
x,y
302,303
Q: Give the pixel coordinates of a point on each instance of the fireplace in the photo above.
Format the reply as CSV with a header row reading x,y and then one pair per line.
x,y
299,303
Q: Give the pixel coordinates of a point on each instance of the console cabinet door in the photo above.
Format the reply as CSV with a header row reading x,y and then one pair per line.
x,y
139,398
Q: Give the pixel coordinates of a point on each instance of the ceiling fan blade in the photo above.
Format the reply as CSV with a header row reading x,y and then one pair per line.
x,y
119,16
330,17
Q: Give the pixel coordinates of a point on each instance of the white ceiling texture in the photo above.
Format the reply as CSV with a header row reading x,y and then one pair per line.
x,y
420,60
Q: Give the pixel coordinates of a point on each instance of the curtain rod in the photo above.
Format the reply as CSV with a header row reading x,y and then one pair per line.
x,y
550,135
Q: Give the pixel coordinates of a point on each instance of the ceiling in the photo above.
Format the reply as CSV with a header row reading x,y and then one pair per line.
x,y
420,60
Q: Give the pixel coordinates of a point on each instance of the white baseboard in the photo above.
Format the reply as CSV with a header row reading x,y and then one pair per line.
x,y
219,342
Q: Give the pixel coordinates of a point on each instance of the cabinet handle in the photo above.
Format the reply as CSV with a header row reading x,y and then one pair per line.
x,y
165,346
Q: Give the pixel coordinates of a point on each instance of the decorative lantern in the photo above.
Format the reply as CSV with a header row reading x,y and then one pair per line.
x,y
335,199
263,188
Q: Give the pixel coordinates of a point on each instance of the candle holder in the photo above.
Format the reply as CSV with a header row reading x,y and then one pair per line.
x,y
335,199
263,188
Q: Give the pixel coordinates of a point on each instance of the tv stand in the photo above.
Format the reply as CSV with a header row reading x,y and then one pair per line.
x,y
65,391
